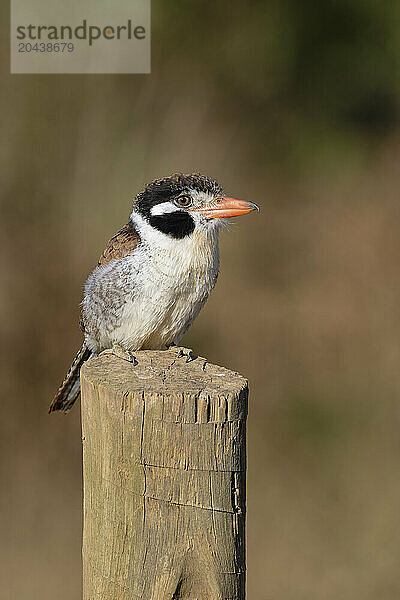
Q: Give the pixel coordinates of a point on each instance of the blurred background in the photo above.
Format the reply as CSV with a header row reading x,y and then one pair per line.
x,y
294,105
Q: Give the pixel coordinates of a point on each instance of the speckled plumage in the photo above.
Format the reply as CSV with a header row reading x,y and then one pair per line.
x,y
149,298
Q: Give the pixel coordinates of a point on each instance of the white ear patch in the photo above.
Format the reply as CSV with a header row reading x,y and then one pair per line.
x,y
163,208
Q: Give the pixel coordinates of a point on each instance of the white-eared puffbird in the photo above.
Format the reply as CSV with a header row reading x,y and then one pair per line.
x,y
155,274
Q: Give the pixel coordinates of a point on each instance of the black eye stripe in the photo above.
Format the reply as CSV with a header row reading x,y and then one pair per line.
x,y
178,224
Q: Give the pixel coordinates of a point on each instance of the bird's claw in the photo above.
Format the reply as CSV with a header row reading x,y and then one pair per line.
x,y
188,352
133,359
120,352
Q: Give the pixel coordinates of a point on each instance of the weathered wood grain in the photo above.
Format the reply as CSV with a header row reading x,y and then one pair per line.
x,y
164,479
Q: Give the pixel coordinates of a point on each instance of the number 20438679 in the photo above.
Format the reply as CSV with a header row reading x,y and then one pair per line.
x,y
46,47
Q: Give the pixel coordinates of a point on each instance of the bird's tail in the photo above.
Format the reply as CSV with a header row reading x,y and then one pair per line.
x,y
70,388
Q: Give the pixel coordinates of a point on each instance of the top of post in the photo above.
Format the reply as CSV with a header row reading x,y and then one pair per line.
x,y
164,372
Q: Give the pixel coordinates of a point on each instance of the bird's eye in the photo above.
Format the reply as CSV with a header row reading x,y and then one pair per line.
x,y
183,201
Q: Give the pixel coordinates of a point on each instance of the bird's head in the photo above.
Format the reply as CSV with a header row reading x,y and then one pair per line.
x,y
180,204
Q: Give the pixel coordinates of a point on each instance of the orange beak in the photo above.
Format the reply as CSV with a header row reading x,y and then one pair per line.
x,y
225,207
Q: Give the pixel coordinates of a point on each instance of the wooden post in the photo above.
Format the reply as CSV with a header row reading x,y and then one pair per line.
x,y
164,479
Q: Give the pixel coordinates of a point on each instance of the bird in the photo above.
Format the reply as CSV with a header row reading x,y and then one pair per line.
x,y
154,275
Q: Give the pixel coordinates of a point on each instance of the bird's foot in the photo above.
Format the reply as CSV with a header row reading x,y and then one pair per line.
x,y
185,353
120,352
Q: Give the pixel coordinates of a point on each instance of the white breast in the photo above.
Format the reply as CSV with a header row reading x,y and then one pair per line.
x,y
164,284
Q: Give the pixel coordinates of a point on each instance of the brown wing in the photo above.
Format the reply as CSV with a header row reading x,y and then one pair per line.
x,y
121,244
